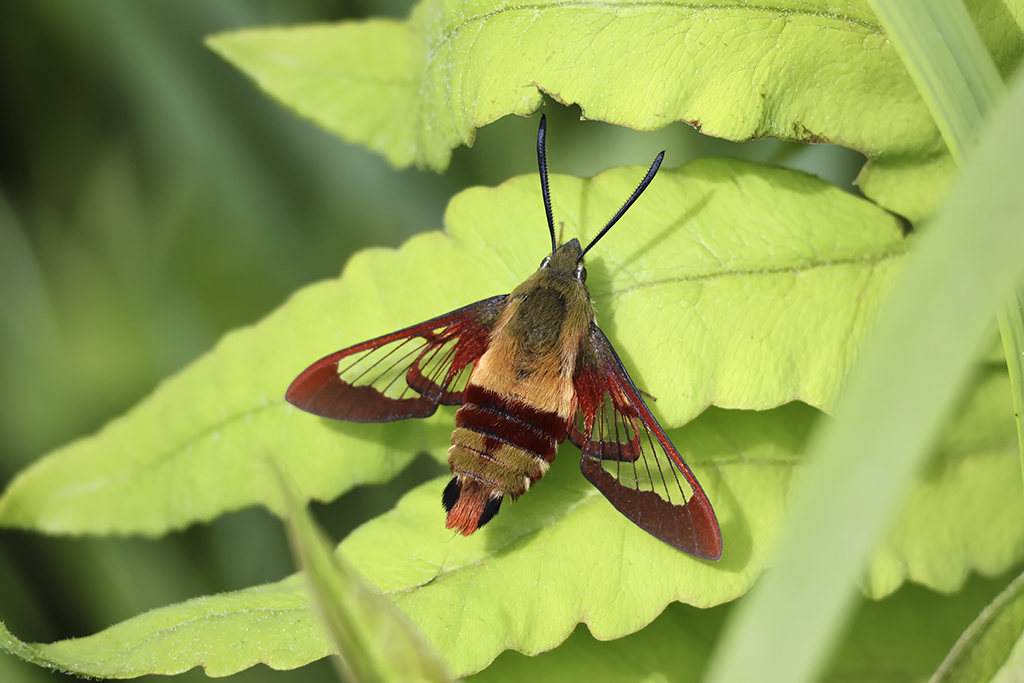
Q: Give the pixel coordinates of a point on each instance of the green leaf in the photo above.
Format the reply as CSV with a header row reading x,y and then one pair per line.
x,y
898,640
911,186
273,624
413,90
376,643
991,649
674,647
914,368
452,68
11,645
195,448
562,554
762,283
963,512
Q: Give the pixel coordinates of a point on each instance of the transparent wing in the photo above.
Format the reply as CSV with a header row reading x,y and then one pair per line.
x,y
404,374
628,457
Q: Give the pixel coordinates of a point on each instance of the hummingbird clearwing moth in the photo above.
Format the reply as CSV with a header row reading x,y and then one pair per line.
x,y
527,370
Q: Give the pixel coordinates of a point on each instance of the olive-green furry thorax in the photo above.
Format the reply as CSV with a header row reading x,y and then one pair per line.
x,y
552,302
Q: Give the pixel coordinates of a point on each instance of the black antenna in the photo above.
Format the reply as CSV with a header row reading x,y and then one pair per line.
x,y
542,162
629,202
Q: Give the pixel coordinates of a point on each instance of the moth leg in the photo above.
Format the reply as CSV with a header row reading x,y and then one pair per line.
x,y
650,396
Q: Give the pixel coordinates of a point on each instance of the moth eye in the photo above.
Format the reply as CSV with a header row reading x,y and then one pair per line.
x,y
544,263
581,273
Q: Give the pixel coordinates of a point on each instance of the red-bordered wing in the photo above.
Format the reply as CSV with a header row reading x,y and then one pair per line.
x,y
628,457
404,374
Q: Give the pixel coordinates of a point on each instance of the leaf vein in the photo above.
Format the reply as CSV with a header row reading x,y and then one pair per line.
x,y
870,260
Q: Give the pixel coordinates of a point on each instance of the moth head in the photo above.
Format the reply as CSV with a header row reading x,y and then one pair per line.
x,y
568,258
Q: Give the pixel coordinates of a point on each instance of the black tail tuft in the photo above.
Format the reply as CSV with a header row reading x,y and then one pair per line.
x,y
491,509
451,494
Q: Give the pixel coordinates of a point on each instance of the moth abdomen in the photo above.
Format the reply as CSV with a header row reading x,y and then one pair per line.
x,y
510,419
500,446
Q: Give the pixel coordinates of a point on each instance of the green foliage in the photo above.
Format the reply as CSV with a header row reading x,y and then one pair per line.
x,y
740,295
374,641
796,296
555,558
944,529
949,62
990,650
901,639
927,343
273,624
816,72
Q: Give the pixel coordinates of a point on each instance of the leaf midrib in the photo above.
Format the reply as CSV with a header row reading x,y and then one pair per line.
x,y
249,413
127,470
870,260
203,618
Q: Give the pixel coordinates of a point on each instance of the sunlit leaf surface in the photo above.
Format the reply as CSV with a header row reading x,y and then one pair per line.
x,y
898,640
562,555
817,72
728,284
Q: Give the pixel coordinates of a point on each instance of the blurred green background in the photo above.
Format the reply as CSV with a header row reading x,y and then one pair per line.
x,y
152,199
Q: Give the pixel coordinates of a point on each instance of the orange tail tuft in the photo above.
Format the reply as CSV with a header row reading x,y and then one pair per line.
x,y
475,506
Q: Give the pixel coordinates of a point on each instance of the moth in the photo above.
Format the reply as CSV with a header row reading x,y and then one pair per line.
x,y
528,370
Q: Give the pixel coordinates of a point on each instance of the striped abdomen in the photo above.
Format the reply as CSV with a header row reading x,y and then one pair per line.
x,y
500,446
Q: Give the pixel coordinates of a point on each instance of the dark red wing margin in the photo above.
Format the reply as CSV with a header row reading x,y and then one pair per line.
x,y
614,425
404,374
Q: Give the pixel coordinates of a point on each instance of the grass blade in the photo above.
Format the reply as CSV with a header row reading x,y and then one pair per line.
x,y
911,373
991,643
960,85
376,643
949,64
